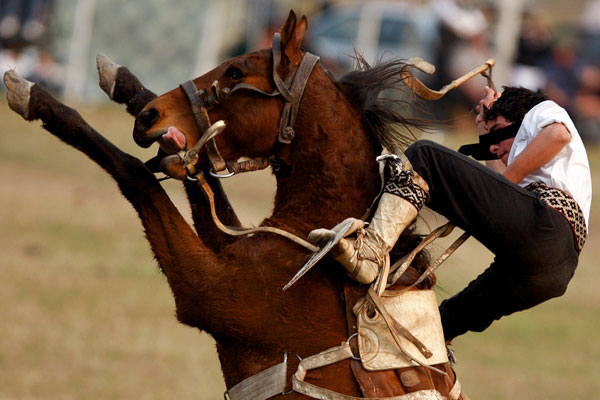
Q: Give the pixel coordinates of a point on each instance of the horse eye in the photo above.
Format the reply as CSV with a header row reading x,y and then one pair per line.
x,y
234,73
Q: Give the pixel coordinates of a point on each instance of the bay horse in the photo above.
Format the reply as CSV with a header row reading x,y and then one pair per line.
x,y
231,287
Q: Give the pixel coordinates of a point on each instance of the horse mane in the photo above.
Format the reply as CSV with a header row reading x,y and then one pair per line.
x,y
389,118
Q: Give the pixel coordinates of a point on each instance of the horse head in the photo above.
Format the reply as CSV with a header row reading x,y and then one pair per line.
x,y
280,106
245,93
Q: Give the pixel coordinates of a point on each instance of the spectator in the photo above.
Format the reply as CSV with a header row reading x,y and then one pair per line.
x,y
464,45
23,22
23,42
561,70
534,45
587,100
587,104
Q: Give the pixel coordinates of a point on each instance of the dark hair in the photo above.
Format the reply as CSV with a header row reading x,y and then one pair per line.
x,y
514,103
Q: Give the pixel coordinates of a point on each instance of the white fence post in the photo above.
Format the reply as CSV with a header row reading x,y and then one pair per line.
x,y
79,49
506,38
211,37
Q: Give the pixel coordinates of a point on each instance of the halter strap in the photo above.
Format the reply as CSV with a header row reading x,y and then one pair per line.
x,y
282,86
290,108
291,90
198,102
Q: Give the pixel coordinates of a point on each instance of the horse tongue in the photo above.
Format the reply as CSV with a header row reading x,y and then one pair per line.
x,y
175,136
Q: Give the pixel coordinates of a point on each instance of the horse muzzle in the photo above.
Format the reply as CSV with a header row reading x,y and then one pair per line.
x,y
143,123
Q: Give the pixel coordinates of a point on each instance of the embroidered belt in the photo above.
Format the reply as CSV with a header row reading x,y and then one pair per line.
x,y
564,204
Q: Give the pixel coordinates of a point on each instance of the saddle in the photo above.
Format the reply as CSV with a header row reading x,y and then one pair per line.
x,y
387,370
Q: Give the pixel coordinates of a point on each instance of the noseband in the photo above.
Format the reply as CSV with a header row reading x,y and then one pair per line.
x,y
291,89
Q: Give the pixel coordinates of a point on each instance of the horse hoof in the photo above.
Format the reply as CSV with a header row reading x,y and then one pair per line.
x,y
107,70
19,93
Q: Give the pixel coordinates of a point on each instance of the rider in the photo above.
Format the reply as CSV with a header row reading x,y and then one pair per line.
x,y
530,206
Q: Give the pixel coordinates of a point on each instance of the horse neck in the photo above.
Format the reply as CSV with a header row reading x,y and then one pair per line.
x,y
333,173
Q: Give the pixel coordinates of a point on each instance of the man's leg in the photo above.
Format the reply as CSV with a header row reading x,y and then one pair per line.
x,y
500,291
504,217
403,196
534,246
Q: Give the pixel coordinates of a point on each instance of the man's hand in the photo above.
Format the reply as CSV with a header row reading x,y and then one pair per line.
x,y
486,102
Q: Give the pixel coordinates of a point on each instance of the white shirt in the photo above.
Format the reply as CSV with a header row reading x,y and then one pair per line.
x,y
569,170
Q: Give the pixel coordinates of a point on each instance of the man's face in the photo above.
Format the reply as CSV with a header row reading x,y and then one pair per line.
x,y
501,149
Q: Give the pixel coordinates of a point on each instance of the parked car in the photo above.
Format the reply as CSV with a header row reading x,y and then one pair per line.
x,y
378,30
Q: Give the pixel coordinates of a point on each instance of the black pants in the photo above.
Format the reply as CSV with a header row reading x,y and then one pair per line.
x,y
534,247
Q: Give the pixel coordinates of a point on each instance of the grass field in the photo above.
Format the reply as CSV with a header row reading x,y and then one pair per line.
x,y
85,313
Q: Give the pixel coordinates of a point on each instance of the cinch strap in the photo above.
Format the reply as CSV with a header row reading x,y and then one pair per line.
x,y
261,386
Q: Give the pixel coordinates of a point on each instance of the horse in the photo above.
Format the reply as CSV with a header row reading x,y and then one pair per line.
x,y
325,169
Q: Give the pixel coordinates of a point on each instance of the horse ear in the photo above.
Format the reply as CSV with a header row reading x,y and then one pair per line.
x,y
288,28
292,34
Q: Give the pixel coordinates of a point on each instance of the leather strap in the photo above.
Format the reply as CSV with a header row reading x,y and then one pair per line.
x,y
235,231
198,104
215,158
262,386
282,86
331,356
402,265
289,113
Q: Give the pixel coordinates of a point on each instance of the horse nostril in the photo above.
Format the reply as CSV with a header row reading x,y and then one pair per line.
x,y
146,119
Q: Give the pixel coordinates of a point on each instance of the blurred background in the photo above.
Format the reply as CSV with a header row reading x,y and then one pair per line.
x,y
553,45
84,312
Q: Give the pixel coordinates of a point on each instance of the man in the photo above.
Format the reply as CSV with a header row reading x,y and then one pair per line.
x,y
530,207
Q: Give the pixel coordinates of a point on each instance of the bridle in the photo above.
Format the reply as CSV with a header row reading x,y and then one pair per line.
x,y
202,100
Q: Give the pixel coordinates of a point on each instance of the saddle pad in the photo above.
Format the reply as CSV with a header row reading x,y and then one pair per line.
x,y
417,311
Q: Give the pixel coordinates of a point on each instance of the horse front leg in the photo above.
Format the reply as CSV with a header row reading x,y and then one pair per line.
x,y
123,87
187,262
33,102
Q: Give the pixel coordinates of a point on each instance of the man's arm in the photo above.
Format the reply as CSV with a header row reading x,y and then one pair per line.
x,y
543,148
496,165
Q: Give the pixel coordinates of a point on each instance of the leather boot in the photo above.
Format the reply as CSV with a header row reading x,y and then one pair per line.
x,y
364,256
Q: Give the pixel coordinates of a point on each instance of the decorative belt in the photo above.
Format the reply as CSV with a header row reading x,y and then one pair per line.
x,y
564,204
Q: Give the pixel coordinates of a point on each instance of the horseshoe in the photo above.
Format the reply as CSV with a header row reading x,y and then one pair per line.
x,y
429,94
